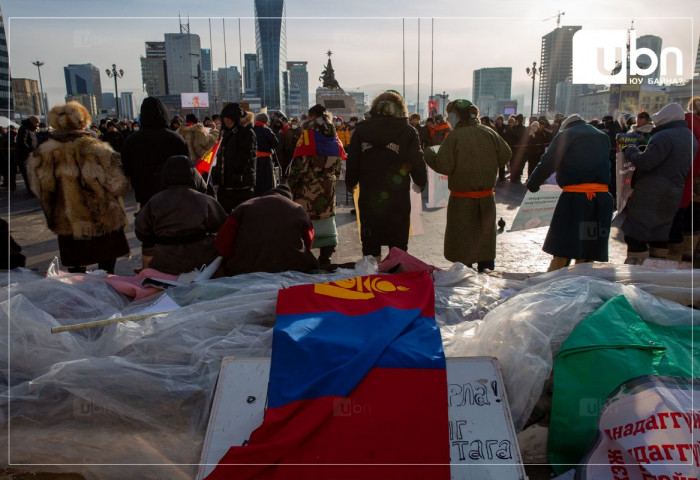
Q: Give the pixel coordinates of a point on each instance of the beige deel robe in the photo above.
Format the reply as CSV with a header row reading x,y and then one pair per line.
x,y
470,157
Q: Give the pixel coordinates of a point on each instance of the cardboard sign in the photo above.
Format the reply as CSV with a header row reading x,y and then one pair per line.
x,y
482,439
537,209
624,170
438,192
648,429
194,100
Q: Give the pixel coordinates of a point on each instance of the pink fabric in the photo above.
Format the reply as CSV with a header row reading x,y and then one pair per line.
x,y
131,286
409,263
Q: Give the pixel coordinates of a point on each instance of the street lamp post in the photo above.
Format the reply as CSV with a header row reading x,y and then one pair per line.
x,y
116,74
532,73
38,64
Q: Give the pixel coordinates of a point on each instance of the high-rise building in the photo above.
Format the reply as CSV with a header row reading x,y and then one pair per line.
x,y
25,93
556,63
360,102
183,62
109,105
271,46
491,89
653,43
298,78
6,106
206,59
87,100
84,79
229,80
126,105
153,72
250,66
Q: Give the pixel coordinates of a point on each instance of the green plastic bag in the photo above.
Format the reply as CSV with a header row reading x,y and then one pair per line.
x,y
611,346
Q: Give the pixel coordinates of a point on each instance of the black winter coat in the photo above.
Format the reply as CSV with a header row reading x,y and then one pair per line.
x,y
26,140
144,153
236,160
383,157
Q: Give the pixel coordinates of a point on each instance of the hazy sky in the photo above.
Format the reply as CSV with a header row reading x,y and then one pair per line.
x,y
365,36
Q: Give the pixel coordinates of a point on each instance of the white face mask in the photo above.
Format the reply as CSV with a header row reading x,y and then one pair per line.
x,y
453,118
352,124
295,126
337,124
136,129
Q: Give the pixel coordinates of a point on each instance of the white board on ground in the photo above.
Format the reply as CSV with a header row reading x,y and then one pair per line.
x,y
483,445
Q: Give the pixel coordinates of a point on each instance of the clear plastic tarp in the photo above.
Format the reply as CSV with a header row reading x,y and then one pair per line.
x,y
139,392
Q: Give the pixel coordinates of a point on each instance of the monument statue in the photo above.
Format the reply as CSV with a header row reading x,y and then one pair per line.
x,y
328,77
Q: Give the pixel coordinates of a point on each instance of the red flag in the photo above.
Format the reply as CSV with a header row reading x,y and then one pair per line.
x,y
204,163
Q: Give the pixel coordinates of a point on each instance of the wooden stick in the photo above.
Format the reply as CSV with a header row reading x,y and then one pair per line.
x,y
109,321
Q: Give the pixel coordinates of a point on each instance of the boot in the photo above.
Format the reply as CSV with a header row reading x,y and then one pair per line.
x,y
655,252
675,252
147,256
636,258
690,243
557,263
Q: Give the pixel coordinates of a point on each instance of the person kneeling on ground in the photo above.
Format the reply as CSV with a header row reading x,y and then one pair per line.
x,y
180,220
252,243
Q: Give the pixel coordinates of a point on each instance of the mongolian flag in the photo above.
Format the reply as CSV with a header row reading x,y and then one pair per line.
x,y
312,143
204,163
357,386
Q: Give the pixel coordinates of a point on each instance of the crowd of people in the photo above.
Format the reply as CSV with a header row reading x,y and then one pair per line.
x,y
269,198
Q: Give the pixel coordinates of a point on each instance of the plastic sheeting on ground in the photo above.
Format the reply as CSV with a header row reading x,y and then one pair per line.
x,y
140,392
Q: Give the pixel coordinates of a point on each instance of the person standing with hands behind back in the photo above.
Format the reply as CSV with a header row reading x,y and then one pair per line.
x,y
383,157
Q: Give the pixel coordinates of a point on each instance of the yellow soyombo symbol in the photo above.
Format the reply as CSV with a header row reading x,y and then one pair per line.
x,y
356,289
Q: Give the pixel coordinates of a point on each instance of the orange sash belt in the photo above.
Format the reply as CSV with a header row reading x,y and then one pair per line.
x,y
264,154
590,189
477,194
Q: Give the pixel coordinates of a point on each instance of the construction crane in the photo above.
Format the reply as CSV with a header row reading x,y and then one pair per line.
x,y
558,16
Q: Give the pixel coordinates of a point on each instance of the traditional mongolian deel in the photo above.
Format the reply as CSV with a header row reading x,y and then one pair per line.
x,y
345,355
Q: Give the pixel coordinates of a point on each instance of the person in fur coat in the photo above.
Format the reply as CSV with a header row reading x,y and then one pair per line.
x,y
199,141
79,180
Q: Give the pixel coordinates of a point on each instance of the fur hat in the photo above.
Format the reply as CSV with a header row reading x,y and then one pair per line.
x,y
389,104
233,111
70,116
694,105
669,113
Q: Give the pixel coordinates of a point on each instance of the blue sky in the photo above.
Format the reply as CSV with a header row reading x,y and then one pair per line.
x,y
365,36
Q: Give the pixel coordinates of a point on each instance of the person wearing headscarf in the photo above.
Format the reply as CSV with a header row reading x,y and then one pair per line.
x,y
658,183
234,171
470,157
580,227
181,220
313,175
78,180
384,156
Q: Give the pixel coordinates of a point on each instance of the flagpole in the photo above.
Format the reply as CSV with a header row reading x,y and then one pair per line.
x,y
403,45
432,52
211,60
240,56
418,96
223,22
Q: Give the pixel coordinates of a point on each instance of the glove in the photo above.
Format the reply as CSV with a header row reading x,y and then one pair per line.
x,y
416,188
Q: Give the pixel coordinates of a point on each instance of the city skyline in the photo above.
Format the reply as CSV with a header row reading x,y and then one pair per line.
x,y
84,41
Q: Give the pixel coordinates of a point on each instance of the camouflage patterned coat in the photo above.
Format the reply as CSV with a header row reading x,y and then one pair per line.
x,y
312,180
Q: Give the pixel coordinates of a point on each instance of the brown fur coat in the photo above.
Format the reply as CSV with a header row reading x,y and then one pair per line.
x,y
198,140
78,180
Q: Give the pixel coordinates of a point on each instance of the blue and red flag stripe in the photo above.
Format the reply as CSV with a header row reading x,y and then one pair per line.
x,y
312,143
357,385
